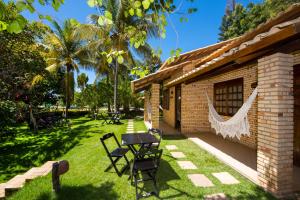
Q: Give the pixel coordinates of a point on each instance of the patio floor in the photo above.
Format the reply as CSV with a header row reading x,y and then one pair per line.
x,y
238,156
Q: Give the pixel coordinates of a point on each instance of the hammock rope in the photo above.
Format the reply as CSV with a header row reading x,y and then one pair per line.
x,y
237,125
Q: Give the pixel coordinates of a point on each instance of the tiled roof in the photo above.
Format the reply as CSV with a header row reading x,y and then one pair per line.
x,y
259,38
285,25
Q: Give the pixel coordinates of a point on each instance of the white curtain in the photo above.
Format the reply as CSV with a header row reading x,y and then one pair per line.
x,y
235,126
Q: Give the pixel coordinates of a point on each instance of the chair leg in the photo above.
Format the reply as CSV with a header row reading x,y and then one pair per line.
x,y
113,162
136,187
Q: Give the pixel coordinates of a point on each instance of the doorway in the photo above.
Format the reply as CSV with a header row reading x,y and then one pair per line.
x,y
178,107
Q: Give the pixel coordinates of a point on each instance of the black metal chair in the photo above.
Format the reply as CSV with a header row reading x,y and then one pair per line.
x,y
143,170
116,154
104,118
158,134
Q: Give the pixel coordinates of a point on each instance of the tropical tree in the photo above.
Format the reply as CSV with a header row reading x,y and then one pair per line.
x,y
82,81
243,19
124,37
64,51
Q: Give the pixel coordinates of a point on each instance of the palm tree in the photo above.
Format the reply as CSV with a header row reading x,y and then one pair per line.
x,y
82,80
115,37
65,52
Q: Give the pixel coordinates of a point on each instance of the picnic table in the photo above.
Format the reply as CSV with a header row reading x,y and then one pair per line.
x,y
140,139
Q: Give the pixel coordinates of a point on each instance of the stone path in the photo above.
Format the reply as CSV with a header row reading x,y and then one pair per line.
x,y
186,165
177,154
171,147
200,180
130,126
226,178
219,196
18,181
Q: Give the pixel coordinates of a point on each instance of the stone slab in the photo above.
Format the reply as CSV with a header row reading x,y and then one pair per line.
x,y
47,167
200,180
2,190
186,165
226,178
171,147
219,196
15,183
177,154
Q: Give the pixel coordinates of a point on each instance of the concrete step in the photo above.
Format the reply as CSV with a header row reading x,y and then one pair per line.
x,y
47,167
15,183
39,171
33,173
18,181
2,191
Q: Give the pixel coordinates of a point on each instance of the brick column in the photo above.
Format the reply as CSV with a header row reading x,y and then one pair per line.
x,y
275,124
146,100
155,105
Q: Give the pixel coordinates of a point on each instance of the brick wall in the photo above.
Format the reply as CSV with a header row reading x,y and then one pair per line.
x,y
296,55
154,98
275,123
194,108
146,105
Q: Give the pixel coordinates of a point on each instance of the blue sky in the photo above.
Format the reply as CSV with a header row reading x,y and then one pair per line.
x,y
201,29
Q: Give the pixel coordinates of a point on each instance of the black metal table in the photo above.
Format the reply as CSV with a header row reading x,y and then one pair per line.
x,y
114,117
141,139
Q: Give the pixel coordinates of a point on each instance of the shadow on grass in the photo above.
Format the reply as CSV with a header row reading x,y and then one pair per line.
x,y
165,175
256,193
28,150
104,191
174,137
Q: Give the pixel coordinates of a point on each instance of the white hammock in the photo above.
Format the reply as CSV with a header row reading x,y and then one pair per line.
x,y
235,126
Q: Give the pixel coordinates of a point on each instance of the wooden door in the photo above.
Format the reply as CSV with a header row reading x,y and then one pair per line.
x,y
178,106
297,115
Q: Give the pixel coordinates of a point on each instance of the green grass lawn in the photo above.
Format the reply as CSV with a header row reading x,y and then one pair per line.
x,y
87,179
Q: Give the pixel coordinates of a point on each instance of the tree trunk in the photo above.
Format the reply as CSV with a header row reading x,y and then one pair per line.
x,y
67,90
108,99
116,86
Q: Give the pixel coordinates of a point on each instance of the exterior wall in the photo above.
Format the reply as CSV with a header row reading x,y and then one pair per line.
x,y
169,115
296,55
154,98
194,108
146,106
275,123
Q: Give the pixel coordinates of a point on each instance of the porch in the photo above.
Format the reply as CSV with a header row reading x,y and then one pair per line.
x,y
241,158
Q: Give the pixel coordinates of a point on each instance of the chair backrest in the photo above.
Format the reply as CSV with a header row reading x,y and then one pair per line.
x,y
152,153
156,132
106,137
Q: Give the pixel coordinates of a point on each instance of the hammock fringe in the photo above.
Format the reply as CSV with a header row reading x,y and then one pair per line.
x,y
237,125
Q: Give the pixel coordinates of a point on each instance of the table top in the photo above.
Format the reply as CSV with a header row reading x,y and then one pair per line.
x,y
138,138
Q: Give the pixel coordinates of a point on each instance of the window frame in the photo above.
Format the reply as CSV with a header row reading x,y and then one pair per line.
x,y
225,85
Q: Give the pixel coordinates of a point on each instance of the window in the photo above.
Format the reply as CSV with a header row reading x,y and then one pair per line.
x,y
228,96
166,99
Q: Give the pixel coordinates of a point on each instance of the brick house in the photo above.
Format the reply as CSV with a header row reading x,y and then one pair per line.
x,y
267,57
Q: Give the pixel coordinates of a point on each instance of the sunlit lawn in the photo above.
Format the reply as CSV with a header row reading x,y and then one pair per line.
x,y
87,179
